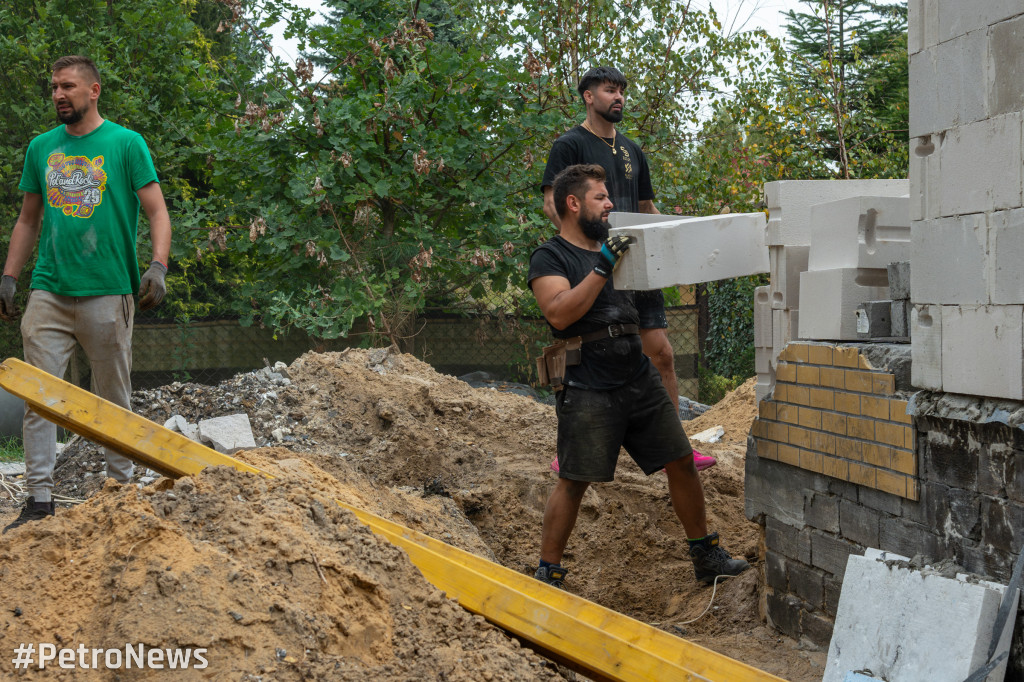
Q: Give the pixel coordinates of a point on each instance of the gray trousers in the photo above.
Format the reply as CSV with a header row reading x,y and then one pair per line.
x,y
49,329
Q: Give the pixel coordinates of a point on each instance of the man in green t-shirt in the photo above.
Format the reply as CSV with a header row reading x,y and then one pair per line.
x,y
84,182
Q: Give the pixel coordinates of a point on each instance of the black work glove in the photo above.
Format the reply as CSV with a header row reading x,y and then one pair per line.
x,y
152,288
611,252
8,310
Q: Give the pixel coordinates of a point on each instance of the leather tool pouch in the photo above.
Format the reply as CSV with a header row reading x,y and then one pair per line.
x,y
555,358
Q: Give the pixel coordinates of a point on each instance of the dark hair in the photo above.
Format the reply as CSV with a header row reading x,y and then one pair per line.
x,y
574,180
599,75
83,64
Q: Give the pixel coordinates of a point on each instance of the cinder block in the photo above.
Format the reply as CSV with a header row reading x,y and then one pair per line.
x,y
924,177
948,260
983,350
790,201
923,20
926,347
948,84
892,620
955,17
874,320
831,553
1006,256
692,250
786,263
979,166
830,299
899,280
626,219
762,317
899,314
860,232
788,540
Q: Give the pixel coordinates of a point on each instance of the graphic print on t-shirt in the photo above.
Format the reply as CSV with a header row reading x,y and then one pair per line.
x,y
628,163
75,184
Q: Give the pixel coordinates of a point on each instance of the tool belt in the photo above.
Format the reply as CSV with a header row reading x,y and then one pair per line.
x,y
568,353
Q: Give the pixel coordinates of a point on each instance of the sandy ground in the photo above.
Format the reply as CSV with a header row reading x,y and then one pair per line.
x,y
250,568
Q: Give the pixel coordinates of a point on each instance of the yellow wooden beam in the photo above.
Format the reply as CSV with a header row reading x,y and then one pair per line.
x,y
605,643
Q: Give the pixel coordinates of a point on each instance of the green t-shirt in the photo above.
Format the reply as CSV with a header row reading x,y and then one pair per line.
x,y
90,208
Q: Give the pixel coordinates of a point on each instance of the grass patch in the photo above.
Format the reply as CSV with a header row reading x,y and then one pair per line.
x,y
11,450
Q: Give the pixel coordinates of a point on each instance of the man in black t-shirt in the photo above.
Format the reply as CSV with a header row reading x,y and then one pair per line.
x,y
613,396
629,187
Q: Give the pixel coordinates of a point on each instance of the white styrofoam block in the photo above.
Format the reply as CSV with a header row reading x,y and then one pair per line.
x,y
924,177
692,250
949,261
789,203
948,84
785,265
983,350
980,168
957,17
625,219
905,624
762,317
829,300
1006,256
926,347
860,232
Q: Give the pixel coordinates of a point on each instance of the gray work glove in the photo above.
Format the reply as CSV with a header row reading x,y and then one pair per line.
x,y
611,252
8,310
152,288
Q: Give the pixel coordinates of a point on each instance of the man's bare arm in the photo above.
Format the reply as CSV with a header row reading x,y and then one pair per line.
x,y
561,304
647,206
549,207
25,234
153,204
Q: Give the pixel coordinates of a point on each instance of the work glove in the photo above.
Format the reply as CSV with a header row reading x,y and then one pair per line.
x,y
8,310
152,288
611,252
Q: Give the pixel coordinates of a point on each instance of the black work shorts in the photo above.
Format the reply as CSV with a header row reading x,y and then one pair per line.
x,y
651,306
593,425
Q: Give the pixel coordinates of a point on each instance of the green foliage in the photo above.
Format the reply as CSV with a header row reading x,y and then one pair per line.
x,y
11,450
729,345
713,387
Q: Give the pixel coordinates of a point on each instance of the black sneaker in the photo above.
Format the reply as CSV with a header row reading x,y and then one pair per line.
x,y
32,511
711,561
552,575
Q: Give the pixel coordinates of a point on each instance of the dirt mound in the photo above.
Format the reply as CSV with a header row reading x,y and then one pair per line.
x,y
270,577
735,413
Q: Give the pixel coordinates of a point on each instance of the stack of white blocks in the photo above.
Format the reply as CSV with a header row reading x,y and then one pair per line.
x,y
792,222
967,191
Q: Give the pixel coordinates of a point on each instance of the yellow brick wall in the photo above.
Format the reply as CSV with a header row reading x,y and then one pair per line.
x,y
834,414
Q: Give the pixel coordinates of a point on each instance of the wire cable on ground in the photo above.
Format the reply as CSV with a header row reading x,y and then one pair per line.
x,y
15,490
714,589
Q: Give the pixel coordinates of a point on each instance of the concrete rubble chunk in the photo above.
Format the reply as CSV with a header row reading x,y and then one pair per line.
x,y
692,250
181,425
227,434
860,232
895,617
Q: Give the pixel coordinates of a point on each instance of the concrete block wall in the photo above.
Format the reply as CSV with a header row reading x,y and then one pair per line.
x,y
860,232
834,413
967,195
831,297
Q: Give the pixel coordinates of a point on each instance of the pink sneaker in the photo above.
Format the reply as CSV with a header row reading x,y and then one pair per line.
x,y
703,462
554,465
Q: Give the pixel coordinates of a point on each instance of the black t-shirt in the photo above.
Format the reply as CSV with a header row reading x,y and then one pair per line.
x,y
606,363
629,178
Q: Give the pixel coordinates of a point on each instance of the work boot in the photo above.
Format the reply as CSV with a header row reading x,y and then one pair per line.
x,y
552,575
710,560
32,511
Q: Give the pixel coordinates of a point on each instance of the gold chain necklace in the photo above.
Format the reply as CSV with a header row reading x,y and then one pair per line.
x,y
614,136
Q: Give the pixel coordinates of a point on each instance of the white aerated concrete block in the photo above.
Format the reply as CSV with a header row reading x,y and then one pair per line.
x,y
948,84
227,434
829,301
957,17
1006,256
924,177
762,318
983,350
762,360
926,347
904,624
765,384
923,20
980,168
784,329
692,250
789,203
624,219
1006,59
949,260
785,264
860,232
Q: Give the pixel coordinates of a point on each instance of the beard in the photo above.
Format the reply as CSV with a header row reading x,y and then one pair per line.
x,y
595,228
611,116
71,117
